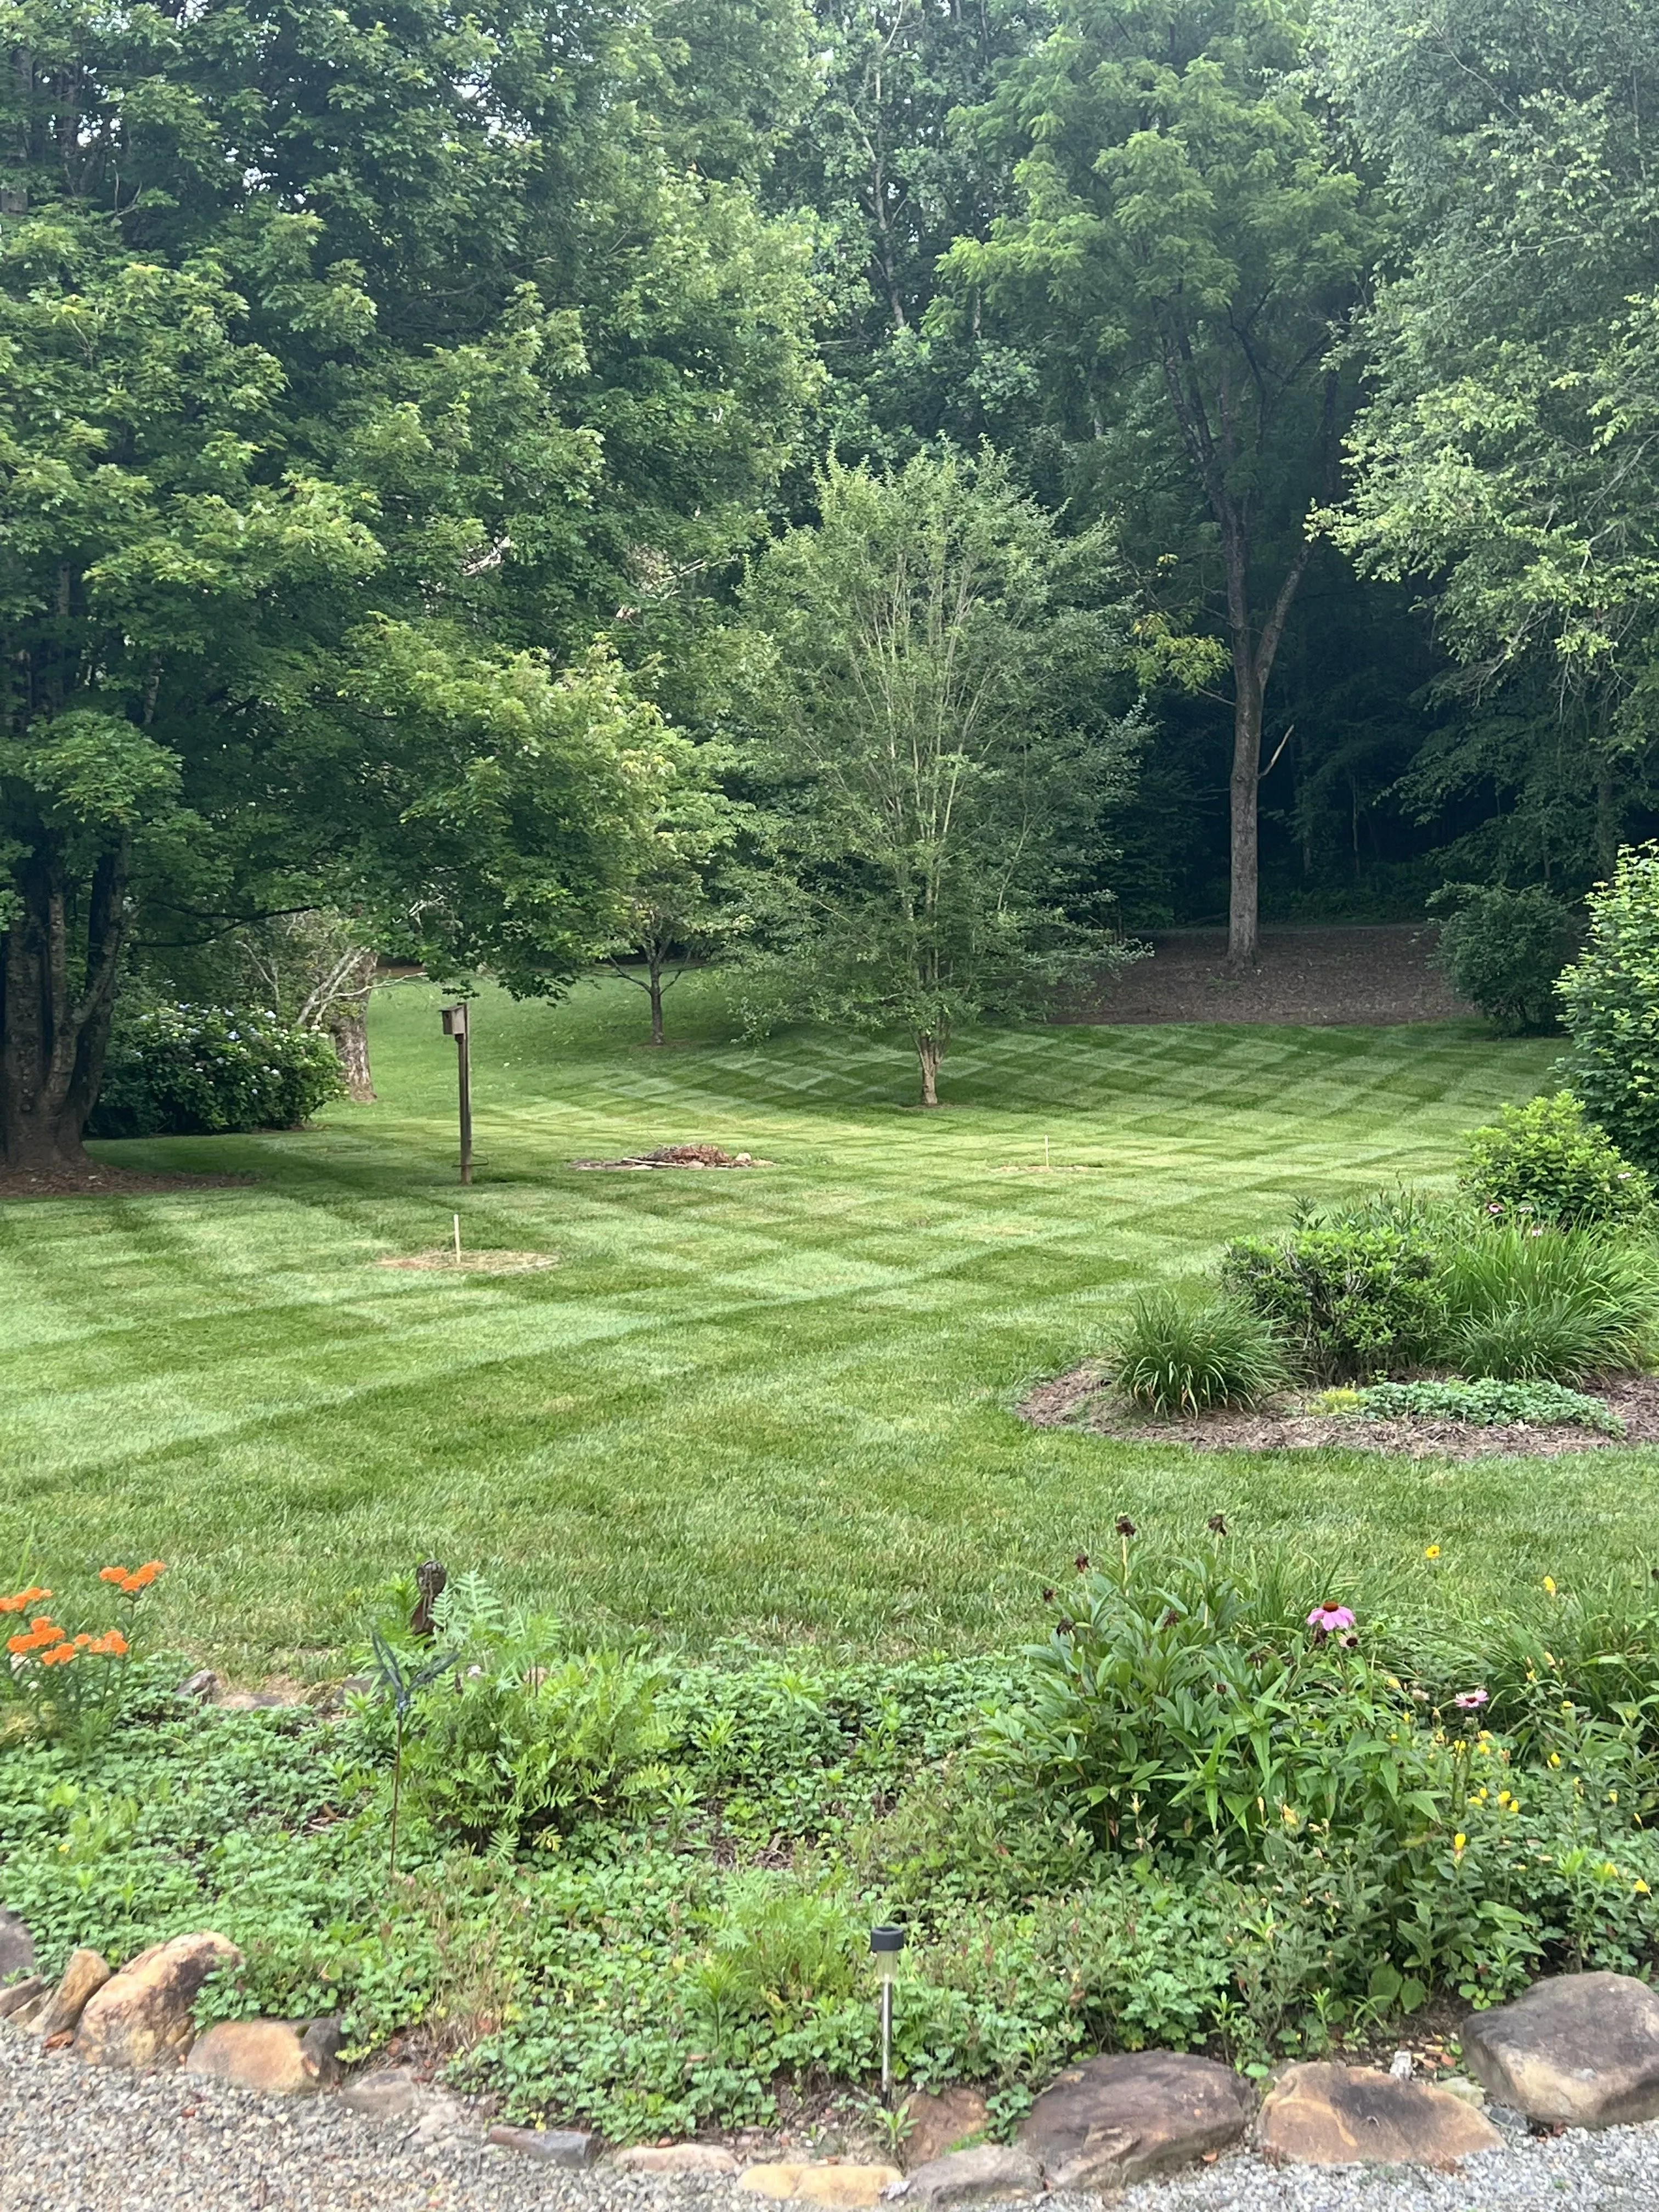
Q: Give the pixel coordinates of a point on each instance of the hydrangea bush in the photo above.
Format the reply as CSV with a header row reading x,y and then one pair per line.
x,y
181,1071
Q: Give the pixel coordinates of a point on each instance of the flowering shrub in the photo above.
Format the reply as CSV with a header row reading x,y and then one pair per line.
x,y
200,1071
1546,1162
72,1683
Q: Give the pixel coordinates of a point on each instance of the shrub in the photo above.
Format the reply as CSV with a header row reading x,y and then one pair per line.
x,y
1609,1000
201,1071
1353,1301
1503,950
1486,1403
1545,1304
1546,1160
1173,1357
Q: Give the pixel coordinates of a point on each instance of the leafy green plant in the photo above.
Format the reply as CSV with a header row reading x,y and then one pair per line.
x,y
1609,1000
1484,1403
1545,1304
1172,1356
400,1682
1353,1301
197,1071
1503,949
74,1683
1548,1162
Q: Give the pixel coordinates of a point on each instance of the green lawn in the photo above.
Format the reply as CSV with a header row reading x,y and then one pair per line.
x,y
774,1404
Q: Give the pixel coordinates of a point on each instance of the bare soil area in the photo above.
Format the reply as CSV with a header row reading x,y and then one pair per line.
x,y
676,1156
1372,975
1082,1400
97,1181
443,1261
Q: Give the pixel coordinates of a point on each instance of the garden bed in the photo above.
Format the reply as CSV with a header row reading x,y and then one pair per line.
x,y
676,1156
1084,1399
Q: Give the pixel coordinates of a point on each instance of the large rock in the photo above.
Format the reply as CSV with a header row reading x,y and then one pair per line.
x,y
275,2055
676,2158
85,1974
142,2016
553,2145
1113,2120
1326,2115
987,2173
850,2188
23,2000
940,2121
16,1949
391,2092
1579,2050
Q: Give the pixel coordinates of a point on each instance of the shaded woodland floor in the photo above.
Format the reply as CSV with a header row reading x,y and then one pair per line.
x,y
1373,974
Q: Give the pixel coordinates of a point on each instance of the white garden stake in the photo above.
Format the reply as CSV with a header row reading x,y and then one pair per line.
x,y
458,1239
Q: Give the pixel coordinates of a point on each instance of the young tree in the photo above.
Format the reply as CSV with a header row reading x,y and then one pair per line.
x,y
1189,246
683,901
937,751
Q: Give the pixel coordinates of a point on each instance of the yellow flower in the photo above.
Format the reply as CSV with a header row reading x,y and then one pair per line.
x,y
1555,1759
1612,1797
1287,1814
1549,1586
1432,1551
1640,1889
1460,1841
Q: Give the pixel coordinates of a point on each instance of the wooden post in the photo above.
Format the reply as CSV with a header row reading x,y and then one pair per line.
x,y
456,1025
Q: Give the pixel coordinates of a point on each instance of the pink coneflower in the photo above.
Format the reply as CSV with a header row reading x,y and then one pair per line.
x,y
1327,1620
1470,1701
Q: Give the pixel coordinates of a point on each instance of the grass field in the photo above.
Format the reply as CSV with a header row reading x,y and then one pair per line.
x,y
774,1404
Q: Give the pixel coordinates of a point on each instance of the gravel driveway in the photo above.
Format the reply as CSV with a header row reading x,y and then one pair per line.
x,y
78,2138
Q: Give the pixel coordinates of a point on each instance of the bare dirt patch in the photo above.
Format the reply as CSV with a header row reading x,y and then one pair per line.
x,y
676,1156
1371,976
97,1181
1082,1400
443,1261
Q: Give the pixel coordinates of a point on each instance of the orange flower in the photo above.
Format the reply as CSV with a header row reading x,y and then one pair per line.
x,y
60,1656
33,1595
142,1576
41,1633
112,1644
112,1574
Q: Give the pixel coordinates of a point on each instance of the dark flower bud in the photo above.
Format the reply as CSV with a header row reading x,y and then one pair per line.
x,y
1169,1618
1047,1594
1064,1627
1125,1527
1081,1563
1216,1524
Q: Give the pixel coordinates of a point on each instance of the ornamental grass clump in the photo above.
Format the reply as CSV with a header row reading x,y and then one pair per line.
x,y
1525,1304
1171,1356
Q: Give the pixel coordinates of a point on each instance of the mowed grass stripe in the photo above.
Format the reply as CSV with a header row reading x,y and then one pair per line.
x,y
773,1403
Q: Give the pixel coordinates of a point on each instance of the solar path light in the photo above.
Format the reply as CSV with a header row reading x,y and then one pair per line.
x,y
885,1944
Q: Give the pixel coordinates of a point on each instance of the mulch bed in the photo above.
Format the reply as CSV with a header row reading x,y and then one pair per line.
x,y
677,1156
97,1181
1369,975
1081,1400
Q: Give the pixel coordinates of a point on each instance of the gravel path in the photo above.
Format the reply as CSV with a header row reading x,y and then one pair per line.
x,y
77,2138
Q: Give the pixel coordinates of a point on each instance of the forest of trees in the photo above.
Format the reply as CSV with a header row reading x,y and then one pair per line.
x,y
901,494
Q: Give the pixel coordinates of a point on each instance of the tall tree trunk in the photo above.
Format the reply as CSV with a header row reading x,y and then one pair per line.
x,y
56,1005
348,1028
930,1051
1243,935
654,986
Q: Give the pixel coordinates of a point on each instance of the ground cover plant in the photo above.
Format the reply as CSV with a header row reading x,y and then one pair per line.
x,y
1224,1803
776,1402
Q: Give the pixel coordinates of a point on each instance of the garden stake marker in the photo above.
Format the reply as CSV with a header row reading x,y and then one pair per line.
x,y
887,1943
457,1219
